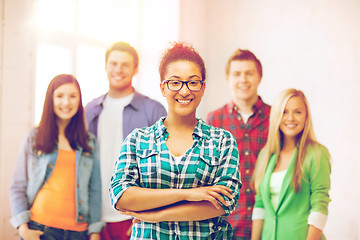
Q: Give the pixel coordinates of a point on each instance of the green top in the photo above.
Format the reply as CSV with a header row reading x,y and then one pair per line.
x,y
290,219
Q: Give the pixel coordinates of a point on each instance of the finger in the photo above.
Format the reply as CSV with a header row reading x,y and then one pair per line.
x,y
136,220
37,233
127,213
224,190
214,202
227,193
128,232
218,197
124,212
227,188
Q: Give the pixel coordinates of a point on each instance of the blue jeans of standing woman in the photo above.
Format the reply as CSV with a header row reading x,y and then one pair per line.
x,y
51,233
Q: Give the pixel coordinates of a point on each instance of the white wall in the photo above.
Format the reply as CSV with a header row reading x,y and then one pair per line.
x,y
17,78
310,45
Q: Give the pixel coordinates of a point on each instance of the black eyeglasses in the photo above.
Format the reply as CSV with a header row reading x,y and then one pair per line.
x,y
176,85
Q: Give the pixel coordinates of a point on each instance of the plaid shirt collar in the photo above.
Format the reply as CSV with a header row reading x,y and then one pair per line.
x,y
201,129
257,106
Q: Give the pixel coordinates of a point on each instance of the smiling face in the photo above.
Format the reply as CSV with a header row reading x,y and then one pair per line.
x,y
66,101
120,69
182,102
244,80
294,118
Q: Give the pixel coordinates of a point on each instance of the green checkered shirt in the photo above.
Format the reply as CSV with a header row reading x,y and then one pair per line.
x,y
145,161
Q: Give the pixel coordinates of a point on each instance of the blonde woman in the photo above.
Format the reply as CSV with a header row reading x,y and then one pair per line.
x,y
292,175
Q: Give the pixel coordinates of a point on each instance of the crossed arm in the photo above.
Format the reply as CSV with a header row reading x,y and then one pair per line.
x,y
194,204
157,205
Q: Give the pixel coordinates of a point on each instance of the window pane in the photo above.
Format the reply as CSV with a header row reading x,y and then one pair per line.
x,y
57,15
158,28
91,72
85,28
109,21
51,61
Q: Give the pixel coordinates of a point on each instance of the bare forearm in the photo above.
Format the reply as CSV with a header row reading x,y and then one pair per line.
x,y
182,211
314,233
256,229
142,199
191,211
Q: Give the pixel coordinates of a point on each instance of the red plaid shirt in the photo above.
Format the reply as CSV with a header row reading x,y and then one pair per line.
x,y
250,137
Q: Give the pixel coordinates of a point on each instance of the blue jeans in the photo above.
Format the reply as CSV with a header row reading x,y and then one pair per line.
x,y
51,233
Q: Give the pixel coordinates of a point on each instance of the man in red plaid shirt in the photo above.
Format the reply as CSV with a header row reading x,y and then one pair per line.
x,y
247,118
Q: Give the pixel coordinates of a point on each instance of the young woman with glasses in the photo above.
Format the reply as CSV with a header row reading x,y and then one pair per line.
x,y
179,177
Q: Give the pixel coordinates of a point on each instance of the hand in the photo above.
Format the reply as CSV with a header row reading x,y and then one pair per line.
x,y
211,194
150,216
94,236
128,232
29,234
135,220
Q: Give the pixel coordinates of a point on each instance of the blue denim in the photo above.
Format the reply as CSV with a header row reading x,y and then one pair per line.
x,y
51,233
33,169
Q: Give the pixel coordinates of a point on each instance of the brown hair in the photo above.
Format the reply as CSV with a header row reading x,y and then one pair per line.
x,y
47,132
123,47
243,55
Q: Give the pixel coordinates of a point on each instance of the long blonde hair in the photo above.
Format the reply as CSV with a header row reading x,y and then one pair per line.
x,y
273,143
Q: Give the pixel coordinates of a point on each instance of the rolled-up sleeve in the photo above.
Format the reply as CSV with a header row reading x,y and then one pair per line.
x,y
317,219
258,211
320,187
126,172
228,173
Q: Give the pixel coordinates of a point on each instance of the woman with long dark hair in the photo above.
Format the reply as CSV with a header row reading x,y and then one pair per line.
x,y
56,188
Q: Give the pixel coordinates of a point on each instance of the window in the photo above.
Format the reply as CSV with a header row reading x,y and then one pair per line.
x,y
74,34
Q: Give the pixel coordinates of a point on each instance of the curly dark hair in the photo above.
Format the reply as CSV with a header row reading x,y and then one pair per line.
x,y
181,51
